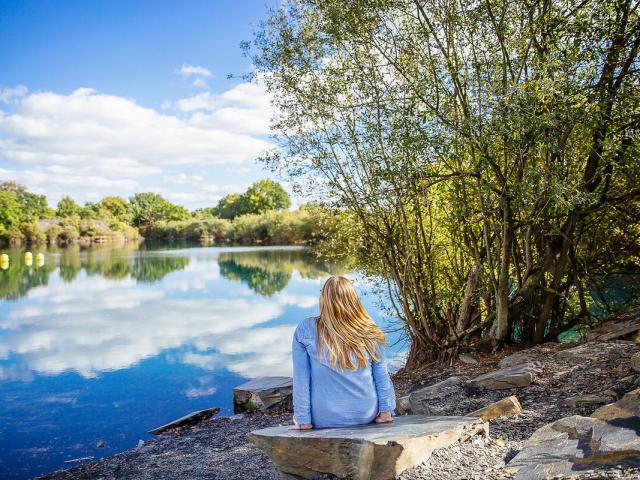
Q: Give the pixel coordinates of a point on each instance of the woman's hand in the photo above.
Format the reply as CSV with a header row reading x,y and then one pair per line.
x,y
384,417
301,426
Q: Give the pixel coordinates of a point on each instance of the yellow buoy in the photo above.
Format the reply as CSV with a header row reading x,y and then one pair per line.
x,y
4,261
28,259
40,259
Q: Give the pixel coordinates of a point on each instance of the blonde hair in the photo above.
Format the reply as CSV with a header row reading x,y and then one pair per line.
x,y
345,329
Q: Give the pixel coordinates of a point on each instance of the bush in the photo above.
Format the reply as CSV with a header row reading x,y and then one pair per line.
x,y
32,233
53,232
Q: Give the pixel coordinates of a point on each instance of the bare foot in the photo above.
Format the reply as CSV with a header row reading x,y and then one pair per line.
x,y
302,426
384,417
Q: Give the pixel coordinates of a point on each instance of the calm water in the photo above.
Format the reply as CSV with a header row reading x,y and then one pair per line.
x,y
106,343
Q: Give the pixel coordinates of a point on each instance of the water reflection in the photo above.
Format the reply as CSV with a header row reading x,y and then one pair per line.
x,y
119,340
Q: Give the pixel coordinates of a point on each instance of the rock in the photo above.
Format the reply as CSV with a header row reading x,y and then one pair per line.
x,y
421,399
589,399
507,407
262,393
627,407
190,419
620,325
635,361
572,444
101,444
509,377
468,359
364,452
519,358
403,405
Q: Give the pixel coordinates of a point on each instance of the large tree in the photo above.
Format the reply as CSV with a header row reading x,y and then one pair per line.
x,y
486,149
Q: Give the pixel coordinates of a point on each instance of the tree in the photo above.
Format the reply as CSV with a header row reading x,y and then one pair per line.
x,y
67,207
148,208
230,206
266,195
11,211
34,206
482,177
117,207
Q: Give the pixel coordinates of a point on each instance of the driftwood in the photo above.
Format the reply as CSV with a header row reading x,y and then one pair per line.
x,y
191,419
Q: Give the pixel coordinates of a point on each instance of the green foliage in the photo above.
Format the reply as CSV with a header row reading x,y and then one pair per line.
x,y
117,207
148,208
230,206
260,197
11,213
266,195
67,207
34,206
480,150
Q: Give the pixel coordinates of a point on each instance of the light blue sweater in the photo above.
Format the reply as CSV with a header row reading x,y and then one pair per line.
x,y
332,397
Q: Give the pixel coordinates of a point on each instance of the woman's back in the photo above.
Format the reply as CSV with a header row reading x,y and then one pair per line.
x,y
330,396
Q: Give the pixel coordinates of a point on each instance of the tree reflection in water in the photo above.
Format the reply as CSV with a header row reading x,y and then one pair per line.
x,y
267,272
111,262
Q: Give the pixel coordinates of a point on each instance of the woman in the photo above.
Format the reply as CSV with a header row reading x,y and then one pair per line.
x,y
340,375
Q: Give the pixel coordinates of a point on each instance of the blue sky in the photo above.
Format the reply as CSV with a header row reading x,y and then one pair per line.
x,y
113,97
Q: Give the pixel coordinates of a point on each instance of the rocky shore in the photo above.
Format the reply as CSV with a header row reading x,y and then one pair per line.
x,y
568,380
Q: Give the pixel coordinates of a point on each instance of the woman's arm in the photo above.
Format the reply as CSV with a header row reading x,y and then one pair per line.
x,y
301,384
384,386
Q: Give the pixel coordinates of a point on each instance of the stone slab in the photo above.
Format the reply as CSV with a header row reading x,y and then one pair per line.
x,y
420,400
262,393
515,376
507,407
190,419
364,452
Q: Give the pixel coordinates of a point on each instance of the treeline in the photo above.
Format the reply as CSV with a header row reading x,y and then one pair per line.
x,y
487,152
257,216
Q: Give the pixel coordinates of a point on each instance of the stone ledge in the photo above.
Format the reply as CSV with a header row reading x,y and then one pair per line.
x,y
364,452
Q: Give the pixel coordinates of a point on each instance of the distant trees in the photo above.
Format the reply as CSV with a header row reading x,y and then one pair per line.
x,y
260,197
148,208
257,216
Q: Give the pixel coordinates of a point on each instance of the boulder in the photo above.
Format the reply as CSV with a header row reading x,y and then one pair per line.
x,y
518,358
573,444
190,419
620,325
421,399
507,407
363,452
262,393
510,377
635,361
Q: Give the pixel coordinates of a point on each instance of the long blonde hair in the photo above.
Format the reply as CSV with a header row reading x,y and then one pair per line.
x,y
345,329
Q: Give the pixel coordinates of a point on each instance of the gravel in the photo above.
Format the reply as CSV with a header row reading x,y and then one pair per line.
x,y
217,448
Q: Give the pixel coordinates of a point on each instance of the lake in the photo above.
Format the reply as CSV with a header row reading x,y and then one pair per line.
x,y
105,343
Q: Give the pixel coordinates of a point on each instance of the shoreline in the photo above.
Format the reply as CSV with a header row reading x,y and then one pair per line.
x,y
217,448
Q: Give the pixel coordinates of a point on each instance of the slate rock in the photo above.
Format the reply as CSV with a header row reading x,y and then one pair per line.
x,y
421,400
574,444
262,393
190,419
515,376
403,405
588,399
507,407
363,452
519,358
626,323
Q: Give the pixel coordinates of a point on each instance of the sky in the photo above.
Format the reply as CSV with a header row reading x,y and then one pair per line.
x,y
115,97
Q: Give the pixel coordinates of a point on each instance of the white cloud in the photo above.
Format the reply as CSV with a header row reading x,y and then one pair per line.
x,y
244,108
200,83
9,94
193,70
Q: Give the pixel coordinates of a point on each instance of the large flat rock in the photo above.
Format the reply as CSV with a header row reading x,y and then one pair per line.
x,y
364,452
515,376
420,400
262,393
620,325
572,444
